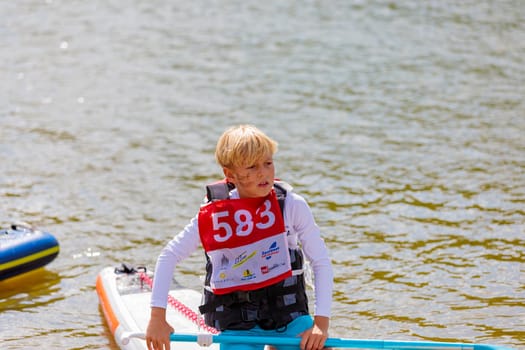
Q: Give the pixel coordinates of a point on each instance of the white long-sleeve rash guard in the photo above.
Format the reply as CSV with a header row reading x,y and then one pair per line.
x,y
302,228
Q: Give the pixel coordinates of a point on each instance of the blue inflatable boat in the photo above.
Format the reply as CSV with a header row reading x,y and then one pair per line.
x,y
23,249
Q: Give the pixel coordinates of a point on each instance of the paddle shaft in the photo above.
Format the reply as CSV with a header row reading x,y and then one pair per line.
x,y
334,342
208,339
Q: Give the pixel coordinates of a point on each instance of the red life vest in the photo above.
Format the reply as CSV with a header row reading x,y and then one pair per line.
x,y
272,302
246,242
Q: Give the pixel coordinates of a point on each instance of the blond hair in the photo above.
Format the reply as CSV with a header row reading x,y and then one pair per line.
x,y
243,144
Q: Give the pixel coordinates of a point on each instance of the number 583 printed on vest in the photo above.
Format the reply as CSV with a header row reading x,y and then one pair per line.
x,y
246,242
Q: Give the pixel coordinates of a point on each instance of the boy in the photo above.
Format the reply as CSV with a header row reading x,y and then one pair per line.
x,y
250,229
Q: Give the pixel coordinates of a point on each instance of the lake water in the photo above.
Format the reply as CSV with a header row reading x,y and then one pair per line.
x,y
402,123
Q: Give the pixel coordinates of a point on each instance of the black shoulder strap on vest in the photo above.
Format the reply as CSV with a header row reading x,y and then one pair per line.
x,y
219,190
281,189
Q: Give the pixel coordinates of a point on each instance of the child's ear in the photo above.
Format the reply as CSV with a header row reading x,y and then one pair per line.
x,y
228,174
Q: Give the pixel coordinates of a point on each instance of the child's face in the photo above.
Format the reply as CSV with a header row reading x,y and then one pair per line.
x,y
253,180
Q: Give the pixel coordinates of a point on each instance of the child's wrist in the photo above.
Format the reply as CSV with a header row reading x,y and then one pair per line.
x,y
322,322
158,312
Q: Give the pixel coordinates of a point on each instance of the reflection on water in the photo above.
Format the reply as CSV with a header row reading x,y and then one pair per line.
x,y
401,123
33,289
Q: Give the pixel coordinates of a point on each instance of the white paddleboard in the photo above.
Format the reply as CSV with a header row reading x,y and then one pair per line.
x,y
125,300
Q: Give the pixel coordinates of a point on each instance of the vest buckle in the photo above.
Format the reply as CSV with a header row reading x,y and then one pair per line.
x,y
243,297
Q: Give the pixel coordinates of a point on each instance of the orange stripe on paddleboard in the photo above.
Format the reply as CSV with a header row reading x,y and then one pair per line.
x,y
106,306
